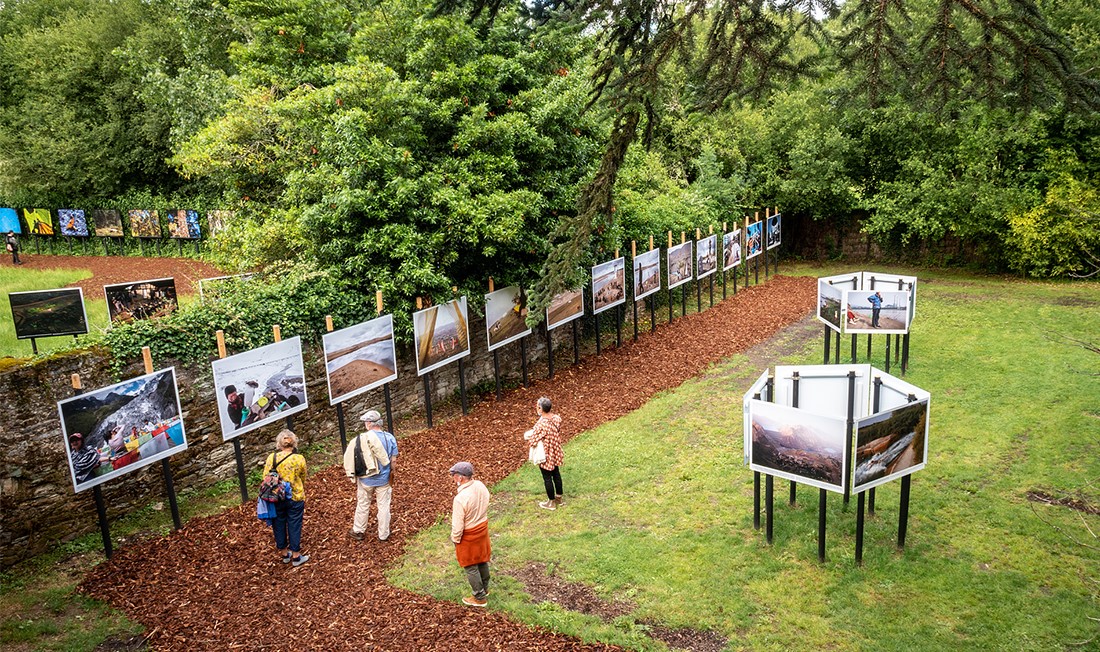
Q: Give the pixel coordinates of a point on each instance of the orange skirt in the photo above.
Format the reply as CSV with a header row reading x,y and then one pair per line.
x,y
474,547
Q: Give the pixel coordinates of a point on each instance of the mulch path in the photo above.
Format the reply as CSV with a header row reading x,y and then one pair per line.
x,y
217,585
109,270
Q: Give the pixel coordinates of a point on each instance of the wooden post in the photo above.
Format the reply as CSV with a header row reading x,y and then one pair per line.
x,y
169,488
277,331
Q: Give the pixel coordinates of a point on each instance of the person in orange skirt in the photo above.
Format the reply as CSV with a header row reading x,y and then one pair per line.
x,y
470,531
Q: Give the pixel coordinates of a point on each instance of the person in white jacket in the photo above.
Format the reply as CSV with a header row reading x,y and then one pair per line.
x,y
374,479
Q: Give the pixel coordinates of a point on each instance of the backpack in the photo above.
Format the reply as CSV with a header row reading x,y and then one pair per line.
x,y
272,488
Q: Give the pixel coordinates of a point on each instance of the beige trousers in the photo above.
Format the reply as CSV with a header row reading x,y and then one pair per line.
x,y
362,508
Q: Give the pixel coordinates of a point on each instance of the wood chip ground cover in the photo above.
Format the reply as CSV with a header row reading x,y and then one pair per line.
x,y
218,585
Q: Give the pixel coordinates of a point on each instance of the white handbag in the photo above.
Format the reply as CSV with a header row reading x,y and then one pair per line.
x,y
537,455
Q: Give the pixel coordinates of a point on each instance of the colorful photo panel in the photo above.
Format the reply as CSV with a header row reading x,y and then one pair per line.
x,y
775,231
706,256
259,387
608,285
564,308
359,358
39,221
48,313
127,302
829,299
108,223
890,444
731,249
121,428
9,221
73,223
679,264
797,445
144,224
441,335
506,316
754,240
876,312
183,224
647,273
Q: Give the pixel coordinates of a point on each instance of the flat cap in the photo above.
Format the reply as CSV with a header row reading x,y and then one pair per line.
x,y
371,416
463,468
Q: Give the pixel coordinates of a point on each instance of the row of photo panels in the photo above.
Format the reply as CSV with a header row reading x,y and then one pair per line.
x,y
178,223
53,313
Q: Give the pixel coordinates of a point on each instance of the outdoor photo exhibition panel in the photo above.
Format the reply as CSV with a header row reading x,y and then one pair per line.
x,y
505,316
706,256
608,285
183,224
890,444
797,445
260,386
758,389
775,231
144,223
9,221
647,273
73,222
39,221
441,335
895,392
564,308
108,222
679,264
824,389
359,358
731,248
881,281
121,428
829,300
127,302
754,239
48,313
876,312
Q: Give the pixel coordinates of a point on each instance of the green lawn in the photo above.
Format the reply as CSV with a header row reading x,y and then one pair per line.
x,y
16,279
659,511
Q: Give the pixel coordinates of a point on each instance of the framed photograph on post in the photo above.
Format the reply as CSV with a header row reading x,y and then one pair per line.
x,y
505,316
216,221
774,232
257,387
73,222
706,256
647,273
121,428
754,240
183,224
441,335
829,304
108,223
48,313
890,444
867,311
797,445
608,285
39,221
679,264
564,308
731,250
127,302
359,358
9,221
144,224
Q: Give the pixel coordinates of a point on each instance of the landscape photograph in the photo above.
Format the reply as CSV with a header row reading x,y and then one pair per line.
x,y
359,358
108,222
505,316
829,301
127,302
608,285
797,445
564,308
48,313
441,335
647,273
679,264
890,444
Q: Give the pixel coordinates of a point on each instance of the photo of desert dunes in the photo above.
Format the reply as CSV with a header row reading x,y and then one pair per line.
x,y
359,358
608,285
565,307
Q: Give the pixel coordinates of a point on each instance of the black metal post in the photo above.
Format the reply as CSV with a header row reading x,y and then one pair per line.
x,y
428,397
699,295
389,407
523,358
822,497
756,500
240,469
670,304
462,385
550,350
836,354
828,343
576,344
170,489
496,371
868,346
635,320
710,282
859,530
104,527
794,403
768,507
854,353
756,269
887,354
596,318
653,314
849,430
684,300
724,275
904,353
34,346
618,327
871,501
343,427
903,511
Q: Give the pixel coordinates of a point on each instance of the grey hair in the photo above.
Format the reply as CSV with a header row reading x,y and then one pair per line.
x,y
286,436
545,405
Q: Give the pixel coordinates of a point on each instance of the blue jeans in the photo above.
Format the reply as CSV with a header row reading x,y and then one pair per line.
x,y
288,524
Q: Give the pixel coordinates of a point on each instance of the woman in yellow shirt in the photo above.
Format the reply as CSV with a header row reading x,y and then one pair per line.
x,y
287,524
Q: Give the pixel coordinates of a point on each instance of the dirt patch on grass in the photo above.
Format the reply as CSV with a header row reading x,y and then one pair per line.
x,y
1077,504
692,640
574,596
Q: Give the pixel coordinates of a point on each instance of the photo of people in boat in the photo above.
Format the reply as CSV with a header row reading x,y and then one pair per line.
x,y
259,386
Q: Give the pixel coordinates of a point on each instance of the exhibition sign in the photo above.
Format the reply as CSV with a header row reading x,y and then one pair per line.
x,y
731,250
108,222
121,428
73,222
679,264
565,307
260,386
608,285
48,313
706,256
441,335
127,302
754,240
775,231
505,316
359,358
647,273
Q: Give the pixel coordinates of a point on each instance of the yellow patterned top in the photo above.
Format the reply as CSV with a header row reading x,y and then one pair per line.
x,y
293,470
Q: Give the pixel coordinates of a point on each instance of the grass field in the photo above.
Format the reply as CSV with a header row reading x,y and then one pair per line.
x,y
659,509
15,279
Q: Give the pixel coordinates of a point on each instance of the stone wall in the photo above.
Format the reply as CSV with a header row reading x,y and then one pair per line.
x,y
38,507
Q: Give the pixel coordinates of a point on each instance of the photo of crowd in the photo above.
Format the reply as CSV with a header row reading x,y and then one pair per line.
x,y
127,302
259,386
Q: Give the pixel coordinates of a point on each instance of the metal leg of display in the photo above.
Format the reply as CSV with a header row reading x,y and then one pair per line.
x,y
871,501
887,369
104,527
699,296
854,347
849,430
769,506
868,346
822,501
794,404
240,469
756,269
836,353
462,385
670,304
711,284
652,314
828,343
859,529
428,397
523,359
756,500
903,511
904,353
496,371
684,300
635,320
170,489
343,427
